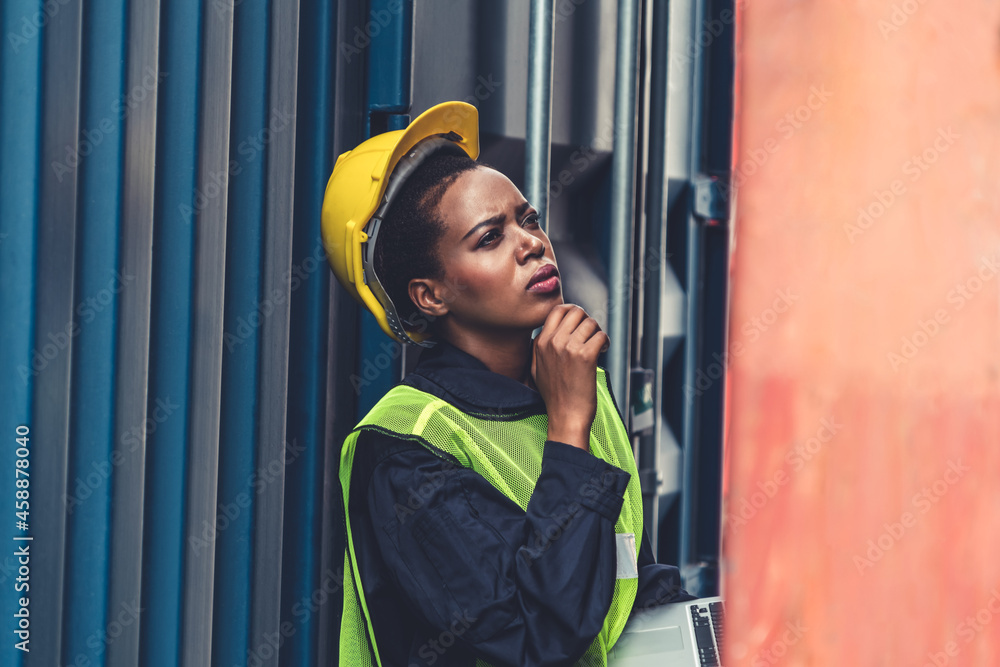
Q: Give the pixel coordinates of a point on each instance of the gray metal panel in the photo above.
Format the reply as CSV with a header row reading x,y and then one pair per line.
x,y
129,459
583,65
513,57
54,312
584,73
680,108
206,371
443,41
265,616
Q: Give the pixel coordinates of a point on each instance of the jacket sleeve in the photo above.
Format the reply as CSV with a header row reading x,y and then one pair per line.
x,y
516,587
658,583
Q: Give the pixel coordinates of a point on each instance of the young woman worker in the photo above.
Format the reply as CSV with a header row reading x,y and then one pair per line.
x,y
493,511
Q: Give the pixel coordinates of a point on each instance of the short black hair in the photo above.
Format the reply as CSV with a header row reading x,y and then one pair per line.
x,y
411,229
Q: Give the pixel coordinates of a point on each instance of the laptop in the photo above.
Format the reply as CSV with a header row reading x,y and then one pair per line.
x,y
679,634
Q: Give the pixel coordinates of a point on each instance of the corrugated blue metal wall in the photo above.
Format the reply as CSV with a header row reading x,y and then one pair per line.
x,y
166,337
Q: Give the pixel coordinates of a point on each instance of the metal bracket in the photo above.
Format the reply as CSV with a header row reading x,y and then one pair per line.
x,y
649,481
711,200
641,417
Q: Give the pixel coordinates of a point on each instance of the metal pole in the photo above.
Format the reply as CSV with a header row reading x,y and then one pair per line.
x,y
622,201
537,155
692,342
656,240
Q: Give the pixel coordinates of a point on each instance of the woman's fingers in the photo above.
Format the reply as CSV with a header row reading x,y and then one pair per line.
x,y
570,327
573,323
555,318
569,319
597,343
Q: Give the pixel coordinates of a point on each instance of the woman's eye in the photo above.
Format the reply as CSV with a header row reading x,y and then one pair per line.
x,y
489,238
530,220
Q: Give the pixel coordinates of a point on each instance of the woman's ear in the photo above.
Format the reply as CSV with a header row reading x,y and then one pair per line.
x,y
429,297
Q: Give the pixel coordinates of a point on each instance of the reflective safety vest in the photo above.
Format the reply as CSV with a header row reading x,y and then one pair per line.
x,y
508,453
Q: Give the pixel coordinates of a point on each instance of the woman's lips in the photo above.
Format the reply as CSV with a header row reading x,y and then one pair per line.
x,y
545,279
548,285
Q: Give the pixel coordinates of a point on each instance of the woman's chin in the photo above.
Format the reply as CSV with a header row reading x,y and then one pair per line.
x,y
549,305
556,300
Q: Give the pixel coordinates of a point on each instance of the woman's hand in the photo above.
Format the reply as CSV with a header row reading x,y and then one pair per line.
x,y
564,368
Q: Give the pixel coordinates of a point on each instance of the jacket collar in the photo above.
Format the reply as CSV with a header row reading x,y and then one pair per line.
x,y
456,376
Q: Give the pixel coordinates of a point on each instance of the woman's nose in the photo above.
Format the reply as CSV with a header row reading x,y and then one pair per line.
x,y
530,245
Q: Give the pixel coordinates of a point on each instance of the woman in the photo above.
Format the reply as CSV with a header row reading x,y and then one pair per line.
x,y
493,512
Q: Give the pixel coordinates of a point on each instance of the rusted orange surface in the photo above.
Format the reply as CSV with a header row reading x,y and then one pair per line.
x,y
863,444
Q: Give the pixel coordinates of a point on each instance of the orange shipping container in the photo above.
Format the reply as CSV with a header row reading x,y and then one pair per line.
x,y
862,503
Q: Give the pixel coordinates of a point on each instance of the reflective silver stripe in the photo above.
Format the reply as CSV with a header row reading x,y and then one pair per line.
x,y
628,562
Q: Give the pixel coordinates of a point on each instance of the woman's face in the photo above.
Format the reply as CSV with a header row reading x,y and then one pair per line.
x,y
500,272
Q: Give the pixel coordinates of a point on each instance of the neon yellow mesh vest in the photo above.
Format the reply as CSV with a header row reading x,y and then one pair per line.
x,y
495,449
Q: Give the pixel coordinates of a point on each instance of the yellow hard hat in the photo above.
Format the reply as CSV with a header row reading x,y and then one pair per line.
x,y
363,185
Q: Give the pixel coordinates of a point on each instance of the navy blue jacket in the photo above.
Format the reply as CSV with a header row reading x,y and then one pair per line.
x,y
454,570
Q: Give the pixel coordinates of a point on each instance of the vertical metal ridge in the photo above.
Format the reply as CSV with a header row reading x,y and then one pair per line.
x,y
342,312
692,287
265,617
303,569
389,75
206,355
623,200
242,317
538,144
53,498
21,72
171,333
640,172
656,240
129,448
98,289
331,538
